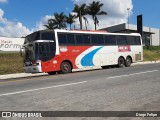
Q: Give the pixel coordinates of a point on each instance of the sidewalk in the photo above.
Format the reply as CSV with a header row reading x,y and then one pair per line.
x,y
25,75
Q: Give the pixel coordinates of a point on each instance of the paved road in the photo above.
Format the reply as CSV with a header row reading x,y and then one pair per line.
x,y
118,89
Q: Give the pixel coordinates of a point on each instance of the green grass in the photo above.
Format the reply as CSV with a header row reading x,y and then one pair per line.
x,y
151,53
13,62
10,63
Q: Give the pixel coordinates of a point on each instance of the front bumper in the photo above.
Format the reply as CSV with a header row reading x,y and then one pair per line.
x,y
33,69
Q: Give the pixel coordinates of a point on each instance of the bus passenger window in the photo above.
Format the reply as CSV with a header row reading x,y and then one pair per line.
x,y
79,39
70,39
62,39
86,39
110,40
121,40
100,40
131,40
94,39
138,41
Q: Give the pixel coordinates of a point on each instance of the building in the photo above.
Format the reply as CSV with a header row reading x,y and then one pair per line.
x,y
151,36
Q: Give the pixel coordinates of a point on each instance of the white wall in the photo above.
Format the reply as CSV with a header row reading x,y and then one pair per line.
x,y
11,44
155,37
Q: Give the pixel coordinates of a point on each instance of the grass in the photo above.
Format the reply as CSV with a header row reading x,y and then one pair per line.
x,y
151,53
10,63
13,62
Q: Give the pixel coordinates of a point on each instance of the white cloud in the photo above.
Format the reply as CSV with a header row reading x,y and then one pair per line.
x,y
12,29
3,1
40,24
116,9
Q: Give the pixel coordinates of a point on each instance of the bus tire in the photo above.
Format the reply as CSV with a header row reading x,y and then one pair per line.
x,y
104,67
121,62
128,62
66,67
52,73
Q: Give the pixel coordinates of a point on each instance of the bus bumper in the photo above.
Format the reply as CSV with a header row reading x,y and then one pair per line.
x,y
33,69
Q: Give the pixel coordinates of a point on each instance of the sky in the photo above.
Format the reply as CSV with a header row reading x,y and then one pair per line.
x,y
21,17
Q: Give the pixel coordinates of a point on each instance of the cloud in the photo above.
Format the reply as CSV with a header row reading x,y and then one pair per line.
x,y
40,24
3,1
116,9
12,29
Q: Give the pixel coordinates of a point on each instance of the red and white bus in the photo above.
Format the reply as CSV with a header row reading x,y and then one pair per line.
x,y
62,51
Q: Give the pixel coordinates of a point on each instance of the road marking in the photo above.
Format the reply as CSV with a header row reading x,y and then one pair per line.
x,y
132,74
13,93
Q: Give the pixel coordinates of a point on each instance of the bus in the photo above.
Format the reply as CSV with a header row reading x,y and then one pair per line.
x,y
61,51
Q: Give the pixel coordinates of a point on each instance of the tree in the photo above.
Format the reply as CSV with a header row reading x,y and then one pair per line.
x,y
70,20
58,22
50,24
81,11
94,9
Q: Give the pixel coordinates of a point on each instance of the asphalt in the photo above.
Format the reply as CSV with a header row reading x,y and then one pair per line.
x,y
27,75
134,88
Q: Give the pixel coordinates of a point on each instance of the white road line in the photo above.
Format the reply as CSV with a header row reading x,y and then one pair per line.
x,y
13,93
132,74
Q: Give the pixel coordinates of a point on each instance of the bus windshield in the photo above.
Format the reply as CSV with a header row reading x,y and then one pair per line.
x,y
45,50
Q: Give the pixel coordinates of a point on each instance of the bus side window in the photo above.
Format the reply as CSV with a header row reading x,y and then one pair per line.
x,y
70,39
94,39
79,39
138,41
131,40
86,39
100,40
110,40
121,40
62,39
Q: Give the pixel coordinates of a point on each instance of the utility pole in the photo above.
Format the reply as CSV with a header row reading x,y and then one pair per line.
x,y
128,9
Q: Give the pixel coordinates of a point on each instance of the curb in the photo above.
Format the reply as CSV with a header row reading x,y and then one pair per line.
x,y
25,75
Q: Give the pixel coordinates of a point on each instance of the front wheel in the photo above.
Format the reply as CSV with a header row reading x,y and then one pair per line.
x,y
66,67
121,62
52,73
128,62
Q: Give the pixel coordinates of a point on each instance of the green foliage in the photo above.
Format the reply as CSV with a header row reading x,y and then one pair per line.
x,y
94,9
81,11
59,22
151,53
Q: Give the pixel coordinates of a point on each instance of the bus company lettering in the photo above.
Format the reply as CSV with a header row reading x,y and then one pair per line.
x,y
124,48
63,48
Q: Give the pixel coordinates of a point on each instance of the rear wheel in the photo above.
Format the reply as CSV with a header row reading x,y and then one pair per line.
x,y
105,67
52,73
128,62
121,62
66,67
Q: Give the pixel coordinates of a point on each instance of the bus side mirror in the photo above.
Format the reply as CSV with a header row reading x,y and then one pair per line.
x,y
22,52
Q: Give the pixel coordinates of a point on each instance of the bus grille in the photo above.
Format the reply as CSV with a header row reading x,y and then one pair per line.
x,y
138,57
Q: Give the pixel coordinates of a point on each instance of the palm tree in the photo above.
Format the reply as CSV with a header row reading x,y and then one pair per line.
x,y
94,9
58,22
81,11
70,19
50,24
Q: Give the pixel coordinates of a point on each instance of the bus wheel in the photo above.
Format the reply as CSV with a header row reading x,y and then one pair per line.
x,y
128,62
105,67
121,62
66,67
52,73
